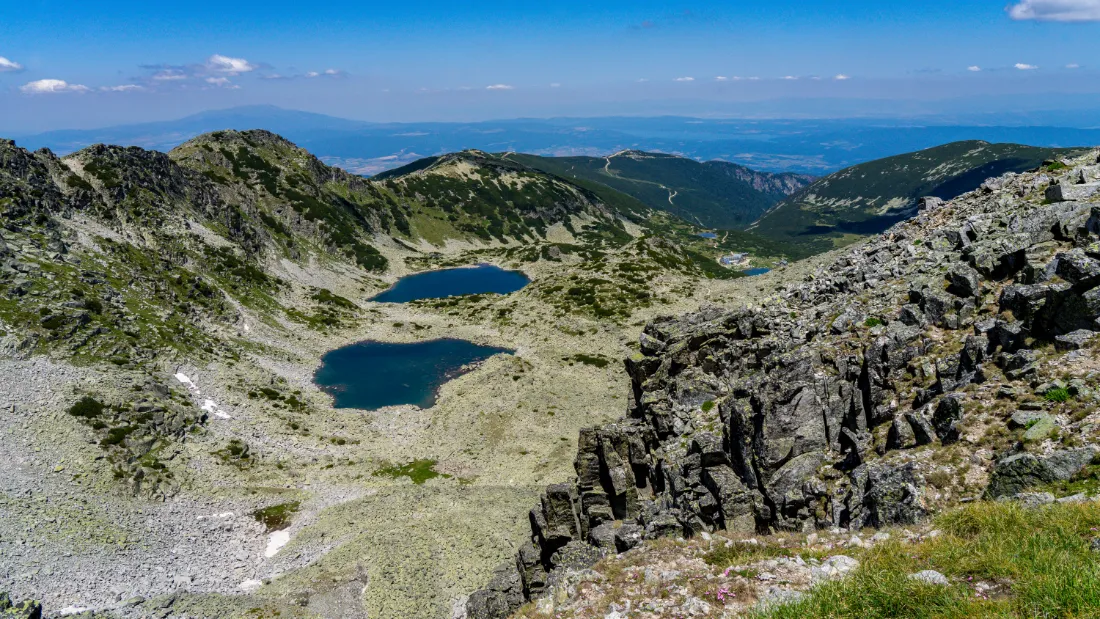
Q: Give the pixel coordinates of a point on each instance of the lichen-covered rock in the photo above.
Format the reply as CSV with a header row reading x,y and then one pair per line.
x,y
23,610
1020,472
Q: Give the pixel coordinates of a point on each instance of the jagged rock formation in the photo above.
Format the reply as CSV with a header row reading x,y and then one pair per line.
x,y
808,411
775,184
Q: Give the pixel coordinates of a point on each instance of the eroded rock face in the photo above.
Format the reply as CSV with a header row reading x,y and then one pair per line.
x,y
797,414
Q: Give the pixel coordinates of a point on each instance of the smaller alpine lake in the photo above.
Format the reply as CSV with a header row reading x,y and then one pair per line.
x,y
371,375
452,283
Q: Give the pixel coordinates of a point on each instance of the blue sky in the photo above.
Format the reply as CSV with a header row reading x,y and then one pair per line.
x,y
79,64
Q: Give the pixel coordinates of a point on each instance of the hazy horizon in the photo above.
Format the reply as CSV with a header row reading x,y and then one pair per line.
x,y
71,65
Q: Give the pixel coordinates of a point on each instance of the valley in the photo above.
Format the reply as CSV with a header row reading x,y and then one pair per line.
x,y
160,351
166,316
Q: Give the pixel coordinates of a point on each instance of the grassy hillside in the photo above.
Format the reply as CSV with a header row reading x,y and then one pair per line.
x,y
871,197
412,179
712,194
474,194
161,319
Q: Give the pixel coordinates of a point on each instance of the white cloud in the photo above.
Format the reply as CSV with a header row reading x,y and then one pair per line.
x,y
221,82
122,88
842,77
500,87
169,75
1056,10
313,74
721,78
974,68
1025,67
51,86
1073,65
230,66
9,66
754,79
39,87
684,79
789,77
555,85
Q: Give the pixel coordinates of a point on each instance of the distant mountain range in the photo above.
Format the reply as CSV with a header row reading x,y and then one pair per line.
x,y
815,147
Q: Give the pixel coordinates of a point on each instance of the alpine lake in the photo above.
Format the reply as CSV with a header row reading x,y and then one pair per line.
x,y
371,375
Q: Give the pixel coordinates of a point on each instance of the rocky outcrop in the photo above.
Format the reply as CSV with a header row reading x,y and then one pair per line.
x,y
777,184
797,414
23,610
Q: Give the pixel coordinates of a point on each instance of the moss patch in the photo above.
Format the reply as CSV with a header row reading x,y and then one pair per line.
x,y
277,517
419,471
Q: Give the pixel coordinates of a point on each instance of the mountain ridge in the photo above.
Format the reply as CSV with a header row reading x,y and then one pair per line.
x,y
712,194
869,197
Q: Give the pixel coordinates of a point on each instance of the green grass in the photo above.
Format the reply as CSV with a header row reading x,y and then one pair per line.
x,y
236,452
593,360
87,407
1087,481
419,471
276,517
741,552
873,322
1057,395
1041,556
326,296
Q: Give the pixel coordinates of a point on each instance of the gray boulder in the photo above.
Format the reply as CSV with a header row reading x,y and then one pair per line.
x,y
1033,499
1065,192
963,281
500,598
1019,472
949,412
1075,340
930,577
1023,419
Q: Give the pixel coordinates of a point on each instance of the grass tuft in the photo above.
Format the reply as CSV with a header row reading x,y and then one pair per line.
x,y
419,471
1057,395
1041,558
276,517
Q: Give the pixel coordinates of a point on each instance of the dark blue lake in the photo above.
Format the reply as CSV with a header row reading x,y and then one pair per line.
x,y
452,283
708,235
756,271
370,375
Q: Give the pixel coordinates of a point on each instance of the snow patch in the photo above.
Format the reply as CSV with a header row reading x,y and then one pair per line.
x,y
187,382
72,610
210,406
276,542
250,585
221,515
